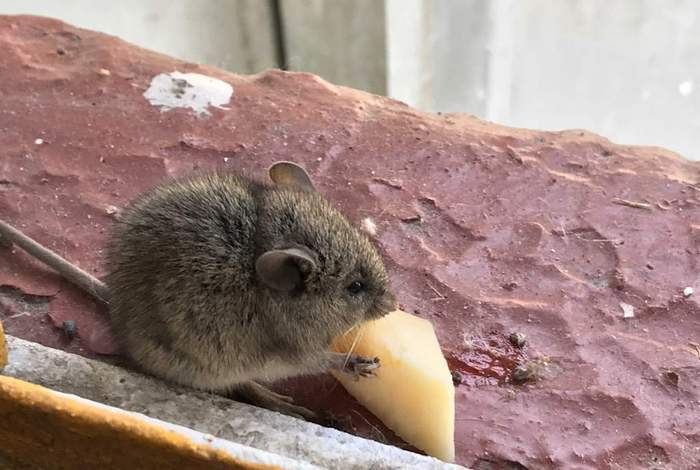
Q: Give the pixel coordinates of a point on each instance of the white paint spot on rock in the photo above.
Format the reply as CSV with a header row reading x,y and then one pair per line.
x,y
685,88
627,310
188,90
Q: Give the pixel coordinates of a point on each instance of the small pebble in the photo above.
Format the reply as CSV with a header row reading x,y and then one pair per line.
x,y
627,310
369,226
688,291
111,210
456,378
521,373
69,328
104,72
509,286
39,141
517,339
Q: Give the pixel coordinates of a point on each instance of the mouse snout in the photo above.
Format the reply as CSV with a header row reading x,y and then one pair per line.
x,y
386,303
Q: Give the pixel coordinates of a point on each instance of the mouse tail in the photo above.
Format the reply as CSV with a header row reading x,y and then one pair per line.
x,y
77,276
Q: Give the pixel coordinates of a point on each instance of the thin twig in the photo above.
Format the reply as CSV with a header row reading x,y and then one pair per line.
x,y
17,315
633,204
608,240
563,231
697,348
440,295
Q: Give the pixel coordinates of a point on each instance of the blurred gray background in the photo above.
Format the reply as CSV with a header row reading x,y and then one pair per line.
x,y
626,69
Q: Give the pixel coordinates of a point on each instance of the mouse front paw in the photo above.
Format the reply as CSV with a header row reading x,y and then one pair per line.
x,y
359,366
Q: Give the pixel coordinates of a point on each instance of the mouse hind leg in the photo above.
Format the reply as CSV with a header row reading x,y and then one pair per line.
x,y
258,395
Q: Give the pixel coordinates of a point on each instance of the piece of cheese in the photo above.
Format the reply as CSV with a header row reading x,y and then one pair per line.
x,y
412,393
3,349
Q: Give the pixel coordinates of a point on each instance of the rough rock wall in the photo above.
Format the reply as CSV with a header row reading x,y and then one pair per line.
x,y
486,231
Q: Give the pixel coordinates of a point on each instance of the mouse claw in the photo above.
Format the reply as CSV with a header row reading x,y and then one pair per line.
x,y
359,367
280,397
261,396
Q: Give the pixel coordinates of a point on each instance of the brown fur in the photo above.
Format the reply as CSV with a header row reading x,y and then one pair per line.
x,y
194,301
185,298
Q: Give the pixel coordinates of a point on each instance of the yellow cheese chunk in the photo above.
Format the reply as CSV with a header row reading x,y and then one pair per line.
x,y
412,394
3,348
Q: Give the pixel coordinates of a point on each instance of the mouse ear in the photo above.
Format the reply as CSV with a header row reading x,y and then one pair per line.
x,y
291,174
284,270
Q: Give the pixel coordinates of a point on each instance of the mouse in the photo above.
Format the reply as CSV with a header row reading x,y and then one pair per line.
x,y
225,283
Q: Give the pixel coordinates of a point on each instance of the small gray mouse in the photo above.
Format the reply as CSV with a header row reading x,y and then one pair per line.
x,y
220,282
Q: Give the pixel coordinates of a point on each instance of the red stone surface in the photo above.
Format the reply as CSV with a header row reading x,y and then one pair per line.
x,y
486,231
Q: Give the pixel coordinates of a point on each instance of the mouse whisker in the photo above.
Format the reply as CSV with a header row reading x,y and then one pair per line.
x,y
352,348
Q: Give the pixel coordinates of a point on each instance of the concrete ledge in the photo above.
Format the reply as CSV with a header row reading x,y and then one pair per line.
x,y
299,441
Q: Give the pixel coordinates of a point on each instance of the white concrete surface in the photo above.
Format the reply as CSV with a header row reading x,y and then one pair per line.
x,y
302,442
342,41
626,69
235,35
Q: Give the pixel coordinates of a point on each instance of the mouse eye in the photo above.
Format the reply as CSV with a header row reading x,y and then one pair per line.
x,y
356,287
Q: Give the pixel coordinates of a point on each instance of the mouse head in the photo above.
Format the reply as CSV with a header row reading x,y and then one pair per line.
x,y
316,259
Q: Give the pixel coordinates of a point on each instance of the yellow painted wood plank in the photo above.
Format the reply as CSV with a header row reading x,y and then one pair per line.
x,y
46,429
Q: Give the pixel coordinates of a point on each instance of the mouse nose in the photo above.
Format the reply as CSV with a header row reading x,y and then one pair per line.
x,y
387,303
